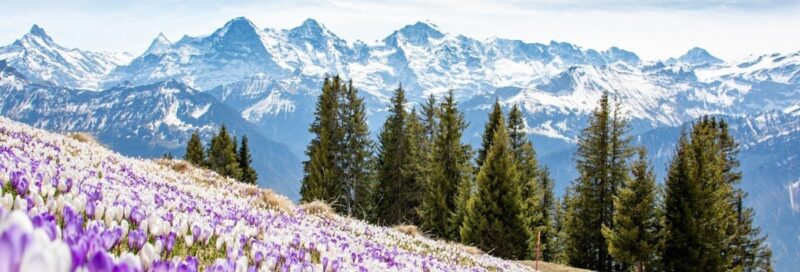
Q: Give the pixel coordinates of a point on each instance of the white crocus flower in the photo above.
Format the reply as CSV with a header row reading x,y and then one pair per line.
x,y
20,204
241,264
147,255
42,254
188,240
4,178
131,260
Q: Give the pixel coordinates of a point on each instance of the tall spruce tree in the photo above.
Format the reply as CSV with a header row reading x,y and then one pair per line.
x,y
536,211
430,124
222,155
516,130
417,169
355,153
194,150
249,174
559,242
603,149
634,238
749,253
491,126
398,170
705,226
682,249
496,220
429,121
550,205
440,215
321,173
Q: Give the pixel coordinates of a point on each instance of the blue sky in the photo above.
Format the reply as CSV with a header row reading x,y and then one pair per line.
x,y
655,29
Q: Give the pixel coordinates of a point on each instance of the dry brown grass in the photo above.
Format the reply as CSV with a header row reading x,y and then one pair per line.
x,y
181,166
83,137
470,249
551,267
318,208
409,230
276,202
252,191
163,162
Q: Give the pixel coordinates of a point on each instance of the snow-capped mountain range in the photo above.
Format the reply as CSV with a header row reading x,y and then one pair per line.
x,y
36,55
269,78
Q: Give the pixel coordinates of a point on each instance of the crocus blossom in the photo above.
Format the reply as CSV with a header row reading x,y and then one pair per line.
x,y
67,205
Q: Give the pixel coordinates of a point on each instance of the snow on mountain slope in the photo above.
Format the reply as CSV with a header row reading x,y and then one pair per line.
x,y
229,54
554,79
147,120
794,196
780,68
38,57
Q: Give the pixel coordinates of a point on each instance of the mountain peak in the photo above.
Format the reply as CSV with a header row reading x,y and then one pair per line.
x,y
237,26
699,56
37,31
162,38
312,25
310,28
418,33
159,44
618,54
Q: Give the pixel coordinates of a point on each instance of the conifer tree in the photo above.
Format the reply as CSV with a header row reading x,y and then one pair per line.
x,y
558,248
495,217
537,212
194,150
249,174
321,178
430,124
706,228
488,132
516,130
749,253
634,238
398,171
603,149
222,155
450,163
682,242
550,206
355,153
416,167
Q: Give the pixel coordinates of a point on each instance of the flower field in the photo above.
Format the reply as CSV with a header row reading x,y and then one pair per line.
x,y
69,204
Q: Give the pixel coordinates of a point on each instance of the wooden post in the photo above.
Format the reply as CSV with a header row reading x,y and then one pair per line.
x,y
538,251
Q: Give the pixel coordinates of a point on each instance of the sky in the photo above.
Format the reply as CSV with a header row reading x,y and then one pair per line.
x,y
654,29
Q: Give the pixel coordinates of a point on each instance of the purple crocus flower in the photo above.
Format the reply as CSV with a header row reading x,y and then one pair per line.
x,y
124,267
169,241
161,266
100,262
19,183
191,263
79,248
111,237
47,222
136,239
13,242
137,215
196,231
